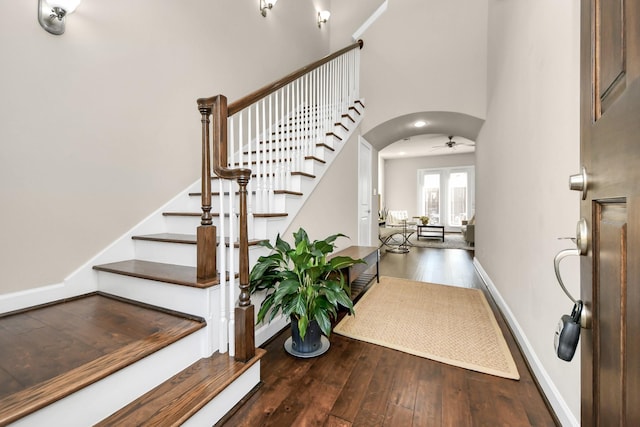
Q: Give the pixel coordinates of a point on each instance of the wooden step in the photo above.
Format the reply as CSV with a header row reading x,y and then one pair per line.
x,y
334,135
167,273
348,116
51,351
322,144
189,239
177,399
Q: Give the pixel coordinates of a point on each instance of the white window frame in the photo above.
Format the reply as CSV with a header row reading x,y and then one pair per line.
x,y
444,191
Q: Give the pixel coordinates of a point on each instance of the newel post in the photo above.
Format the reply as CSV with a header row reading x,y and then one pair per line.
x,y
206,232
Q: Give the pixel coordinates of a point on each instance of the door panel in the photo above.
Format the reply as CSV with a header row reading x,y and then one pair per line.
x,y
610,54
610,245
610,151
364,193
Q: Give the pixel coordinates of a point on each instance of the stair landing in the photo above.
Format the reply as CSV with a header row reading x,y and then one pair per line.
x,y
49,352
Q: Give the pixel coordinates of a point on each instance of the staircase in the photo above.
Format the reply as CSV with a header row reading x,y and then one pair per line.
x,y
262,157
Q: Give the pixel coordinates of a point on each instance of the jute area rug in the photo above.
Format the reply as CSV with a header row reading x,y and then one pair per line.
x,y
448,324
451,241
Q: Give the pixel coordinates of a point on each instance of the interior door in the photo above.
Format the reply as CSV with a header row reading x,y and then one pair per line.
x,y
610,152
364,193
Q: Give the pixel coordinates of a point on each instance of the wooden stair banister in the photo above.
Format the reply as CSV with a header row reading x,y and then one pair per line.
x,y
215,145
267,90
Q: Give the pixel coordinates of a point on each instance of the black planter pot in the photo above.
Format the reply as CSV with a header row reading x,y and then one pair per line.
x,y
312,340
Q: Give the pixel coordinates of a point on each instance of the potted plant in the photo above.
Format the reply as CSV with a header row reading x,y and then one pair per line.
x,y
424,220
301,282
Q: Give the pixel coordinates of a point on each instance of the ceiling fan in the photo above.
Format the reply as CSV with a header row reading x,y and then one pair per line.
x,y
451,144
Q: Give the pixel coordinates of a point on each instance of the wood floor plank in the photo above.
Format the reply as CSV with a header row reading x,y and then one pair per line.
x,y
326,380
428,407
374,404
405,383
281,377
397,415
348,404
456,408
333,421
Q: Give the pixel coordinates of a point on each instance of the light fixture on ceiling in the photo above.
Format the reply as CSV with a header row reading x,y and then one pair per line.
x,y
420,123
52,14
266,4
323,17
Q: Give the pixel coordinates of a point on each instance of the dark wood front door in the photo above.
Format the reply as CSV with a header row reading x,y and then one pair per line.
x,y
610,151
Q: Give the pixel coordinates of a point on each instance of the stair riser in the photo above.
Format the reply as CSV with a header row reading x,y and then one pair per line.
x,y
179,253
187,225
255,185
204,303
93,403
165,252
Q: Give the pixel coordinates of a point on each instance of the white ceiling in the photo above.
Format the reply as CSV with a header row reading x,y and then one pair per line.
x,y
426,145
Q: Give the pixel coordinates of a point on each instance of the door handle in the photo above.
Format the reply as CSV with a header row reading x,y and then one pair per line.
x,y
581,248
580,182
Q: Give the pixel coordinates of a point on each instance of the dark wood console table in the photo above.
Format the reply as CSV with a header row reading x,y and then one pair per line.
x,y
359,276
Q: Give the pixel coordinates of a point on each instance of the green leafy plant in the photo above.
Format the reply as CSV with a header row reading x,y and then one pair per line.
x,y
302,282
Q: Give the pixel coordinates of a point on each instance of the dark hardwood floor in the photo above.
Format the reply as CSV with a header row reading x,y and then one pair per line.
x,y
361,384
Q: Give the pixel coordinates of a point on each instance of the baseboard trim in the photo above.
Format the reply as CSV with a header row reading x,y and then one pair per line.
x,y
555,399
267,331
31,297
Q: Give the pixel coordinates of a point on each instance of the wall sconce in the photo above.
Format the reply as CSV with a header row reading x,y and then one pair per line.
x,y
323,17
51,14
266,4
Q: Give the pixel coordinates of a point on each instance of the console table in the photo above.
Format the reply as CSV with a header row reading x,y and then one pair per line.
x,y
358,276
430,231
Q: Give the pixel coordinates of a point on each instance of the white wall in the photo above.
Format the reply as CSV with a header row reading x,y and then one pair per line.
x,y
425,55
99,126
333,206
401,178
526,150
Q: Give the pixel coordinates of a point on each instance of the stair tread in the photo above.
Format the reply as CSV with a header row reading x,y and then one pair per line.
x,y
177,399
92,337
190,239
161,272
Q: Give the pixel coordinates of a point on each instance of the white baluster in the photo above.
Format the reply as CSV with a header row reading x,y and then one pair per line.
x,y
276,142
223,332
251,187
265,141
289,137
271,171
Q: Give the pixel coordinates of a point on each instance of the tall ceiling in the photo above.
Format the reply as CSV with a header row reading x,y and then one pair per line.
x,y
400,134
418,64
427,145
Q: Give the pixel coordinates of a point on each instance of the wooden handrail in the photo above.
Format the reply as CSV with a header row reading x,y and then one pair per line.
x,y
267,90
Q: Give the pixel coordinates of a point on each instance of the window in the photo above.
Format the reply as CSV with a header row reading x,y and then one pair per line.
x,y
458,200
446,195
431,196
